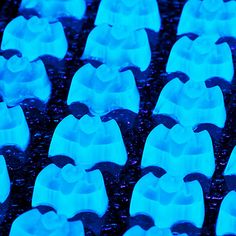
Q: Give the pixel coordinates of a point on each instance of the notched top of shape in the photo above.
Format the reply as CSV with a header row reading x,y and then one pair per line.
x,y
104,89
70,190
33,223
35,37
192,103
4,180
118,46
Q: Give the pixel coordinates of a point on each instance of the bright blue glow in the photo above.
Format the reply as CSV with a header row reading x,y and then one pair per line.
x,y
14,129
231,166
179,151
88,141
135,14
55,9
226,222
70,190
208,17
4,180
201,59
118,46
35,38
104,89
192,103
168,200
21,79
33,223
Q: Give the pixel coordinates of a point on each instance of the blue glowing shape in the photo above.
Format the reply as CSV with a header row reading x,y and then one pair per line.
x,y
118,46
179,151
55,9
154,231
70,190
208,17
21,79
231,166
4,180
88,141
135,14
14,129
168,200
192,103
226,223
201,59
104,89
35,38
33,223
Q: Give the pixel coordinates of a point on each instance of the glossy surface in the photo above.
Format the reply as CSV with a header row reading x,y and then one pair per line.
x,y
4,180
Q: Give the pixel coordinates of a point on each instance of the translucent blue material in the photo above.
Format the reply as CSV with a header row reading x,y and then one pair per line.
x,y
226,222
208,17
104,89
118,46
201,59
88,141
168,200
154,231
70,190
135,14
179,151
14,129
231,166
4,180
33,223
21,79
192,103
55,9
35,37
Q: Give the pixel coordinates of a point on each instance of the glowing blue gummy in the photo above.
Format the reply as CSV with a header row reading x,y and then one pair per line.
x,y
88,141
179,151
208,17
154,231
192,103
33,223
4,180
104,89
13,127
70,190
35,38
168,200
135,14
226,223
118,46
231,166
201,59
21,79
55,9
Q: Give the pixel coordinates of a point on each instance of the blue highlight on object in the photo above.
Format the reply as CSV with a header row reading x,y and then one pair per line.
x,y
231,166
192,103
88,141
208,17
118,46
135,14
4,180
70,190
14,129
33,223
179,151
35,37
168,200
55,9
21,79
104,89
226,222
201,59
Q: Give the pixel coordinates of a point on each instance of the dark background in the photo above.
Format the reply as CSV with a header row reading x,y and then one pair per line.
x,y
42,120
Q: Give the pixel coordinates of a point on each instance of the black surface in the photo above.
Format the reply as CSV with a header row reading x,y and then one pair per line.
x,y
24,167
